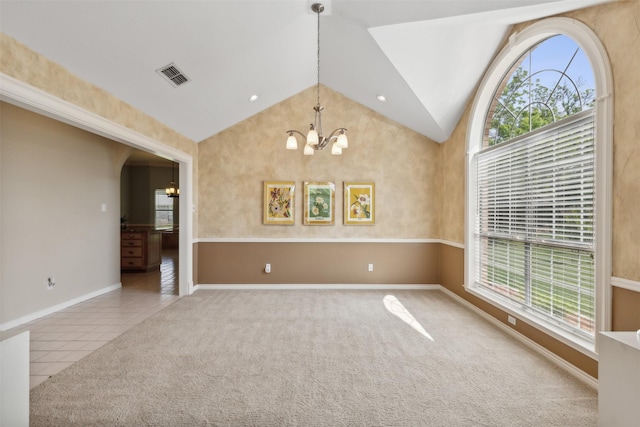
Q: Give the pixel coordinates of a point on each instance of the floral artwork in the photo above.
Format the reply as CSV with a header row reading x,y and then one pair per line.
x,y
359,203
319,201
279,203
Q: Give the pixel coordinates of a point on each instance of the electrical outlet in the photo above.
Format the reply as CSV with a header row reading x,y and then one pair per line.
x,y
511,320
51,282
267,268
370,267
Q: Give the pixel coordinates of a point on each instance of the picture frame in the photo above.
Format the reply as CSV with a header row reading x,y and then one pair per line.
x,y
319,203
279,203
359,203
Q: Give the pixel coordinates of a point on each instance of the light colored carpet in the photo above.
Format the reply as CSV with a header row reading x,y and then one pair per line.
x,y
313,358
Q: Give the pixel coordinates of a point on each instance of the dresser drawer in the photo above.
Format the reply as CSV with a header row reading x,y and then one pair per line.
x,y
131,252
131,263
137,236
140,250
131,242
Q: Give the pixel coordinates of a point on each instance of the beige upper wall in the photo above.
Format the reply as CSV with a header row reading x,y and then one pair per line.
x,y
453,182
404,165
616,24
618,28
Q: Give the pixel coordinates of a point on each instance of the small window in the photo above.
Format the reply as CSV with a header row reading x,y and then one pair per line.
x,y
164,210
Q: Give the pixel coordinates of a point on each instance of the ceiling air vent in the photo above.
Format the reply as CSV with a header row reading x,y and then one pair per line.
x,y
173,75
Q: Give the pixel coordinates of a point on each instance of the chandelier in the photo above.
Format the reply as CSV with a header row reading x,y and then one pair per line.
x,y
315,139
172,190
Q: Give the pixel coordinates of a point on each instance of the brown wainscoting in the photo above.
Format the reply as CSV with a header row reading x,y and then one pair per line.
x,y
452,278
626,310
318,263
194,273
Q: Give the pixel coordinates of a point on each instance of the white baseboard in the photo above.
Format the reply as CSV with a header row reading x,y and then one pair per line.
x,y
571,369
38,314
332,286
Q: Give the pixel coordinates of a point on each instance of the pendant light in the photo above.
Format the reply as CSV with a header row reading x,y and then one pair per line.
x,y
172,190
314,138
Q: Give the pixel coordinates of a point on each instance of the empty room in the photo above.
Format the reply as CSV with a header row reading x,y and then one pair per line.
x,y
319,213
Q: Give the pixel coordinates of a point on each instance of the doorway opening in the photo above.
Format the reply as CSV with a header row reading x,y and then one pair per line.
x,y
150,224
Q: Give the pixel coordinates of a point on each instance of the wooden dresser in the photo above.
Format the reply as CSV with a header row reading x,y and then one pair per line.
x,y
140,250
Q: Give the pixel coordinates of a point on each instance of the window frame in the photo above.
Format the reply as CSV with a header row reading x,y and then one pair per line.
x,y
156,193
518,45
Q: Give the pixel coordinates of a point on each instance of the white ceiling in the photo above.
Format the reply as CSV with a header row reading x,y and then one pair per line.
x,y
425,56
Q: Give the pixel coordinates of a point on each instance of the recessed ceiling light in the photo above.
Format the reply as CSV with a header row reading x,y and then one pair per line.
x,y
381,98
253,98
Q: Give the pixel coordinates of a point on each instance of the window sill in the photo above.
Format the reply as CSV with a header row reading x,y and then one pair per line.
x,y
584,346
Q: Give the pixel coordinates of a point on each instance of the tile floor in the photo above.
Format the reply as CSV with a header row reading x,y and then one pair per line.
x,y
62,338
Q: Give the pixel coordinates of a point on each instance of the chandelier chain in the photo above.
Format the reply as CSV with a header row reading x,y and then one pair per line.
x,y
318,83
315,138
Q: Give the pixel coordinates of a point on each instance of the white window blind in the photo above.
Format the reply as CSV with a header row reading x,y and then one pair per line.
x,y
535,223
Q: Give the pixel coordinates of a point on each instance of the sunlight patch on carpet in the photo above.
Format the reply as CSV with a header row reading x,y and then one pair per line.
x,y
396,308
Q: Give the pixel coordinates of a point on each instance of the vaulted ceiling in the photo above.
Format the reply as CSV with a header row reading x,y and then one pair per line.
x,y
424,56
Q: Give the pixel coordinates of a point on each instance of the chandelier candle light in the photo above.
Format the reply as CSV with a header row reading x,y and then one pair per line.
x,y
315,139
172,190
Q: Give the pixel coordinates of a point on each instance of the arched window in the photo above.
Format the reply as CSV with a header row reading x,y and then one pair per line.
x,y
538,183
551,81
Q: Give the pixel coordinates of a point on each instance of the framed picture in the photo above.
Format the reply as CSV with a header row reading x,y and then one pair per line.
x,y
279,203
319,203
359,203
